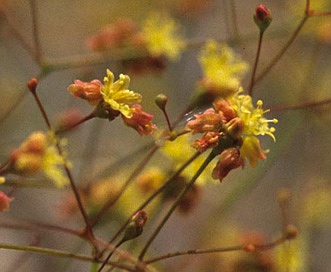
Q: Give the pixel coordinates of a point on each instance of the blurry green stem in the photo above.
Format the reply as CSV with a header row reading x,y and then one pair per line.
x,y
210,157
156,193
134,174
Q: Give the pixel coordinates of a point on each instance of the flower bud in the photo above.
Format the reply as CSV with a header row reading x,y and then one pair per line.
x,y
291,232
32,84
161,101
135,227
235,127
140,121
89,91
229,159
4,201
262,17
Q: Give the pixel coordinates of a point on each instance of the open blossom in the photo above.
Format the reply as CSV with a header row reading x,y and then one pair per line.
x,y
254,122
222,69
38,153
4,201
162,37
89,91
117,95
140,121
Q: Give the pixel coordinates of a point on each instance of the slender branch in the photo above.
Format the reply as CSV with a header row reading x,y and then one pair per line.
x,y
61,254
210,157
156,193
36,226
252,81
83,120
32,87
233,11
135,172
276,59
35,31
18,35
302,105
193,252
257,247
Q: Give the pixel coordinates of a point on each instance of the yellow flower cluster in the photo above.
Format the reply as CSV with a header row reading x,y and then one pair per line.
x,y
117,95
162,37
254,122
222,68
39,153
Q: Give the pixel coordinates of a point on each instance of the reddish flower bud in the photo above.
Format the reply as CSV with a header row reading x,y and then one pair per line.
x,y
89,91
235,127
262,17
32,84
229,159
209,120
4,201
140,121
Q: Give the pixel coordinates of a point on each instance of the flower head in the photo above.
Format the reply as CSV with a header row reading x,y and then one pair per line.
x,y
222,69
140,121
262,17
89,91
254,122
117,96
209,120
38,153
229,159
4,201
162,36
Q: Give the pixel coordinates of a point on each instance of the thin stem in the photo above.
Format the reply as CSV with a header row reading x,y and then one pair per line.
x,y
166,116
156,193
83,120
257,57
35,31
89,230
234,17
276,59
210,157
216,250
60,254
320,14
17,264
18,35
109,256
37,226
135,172
302,105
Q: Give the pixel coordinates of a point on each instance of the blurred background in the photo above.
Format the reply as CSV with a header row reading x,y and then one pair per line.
x,y
244,205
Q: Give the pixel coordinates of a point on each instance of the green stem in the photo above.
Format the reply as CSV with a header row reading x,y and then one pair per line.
x,y
177,201
156,193
134,174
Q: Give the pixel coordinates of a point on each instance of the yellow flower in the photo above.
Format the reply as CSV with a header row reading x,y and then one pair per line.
x,y
254,122
222,68
162,37
290,256
39,153
116,94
